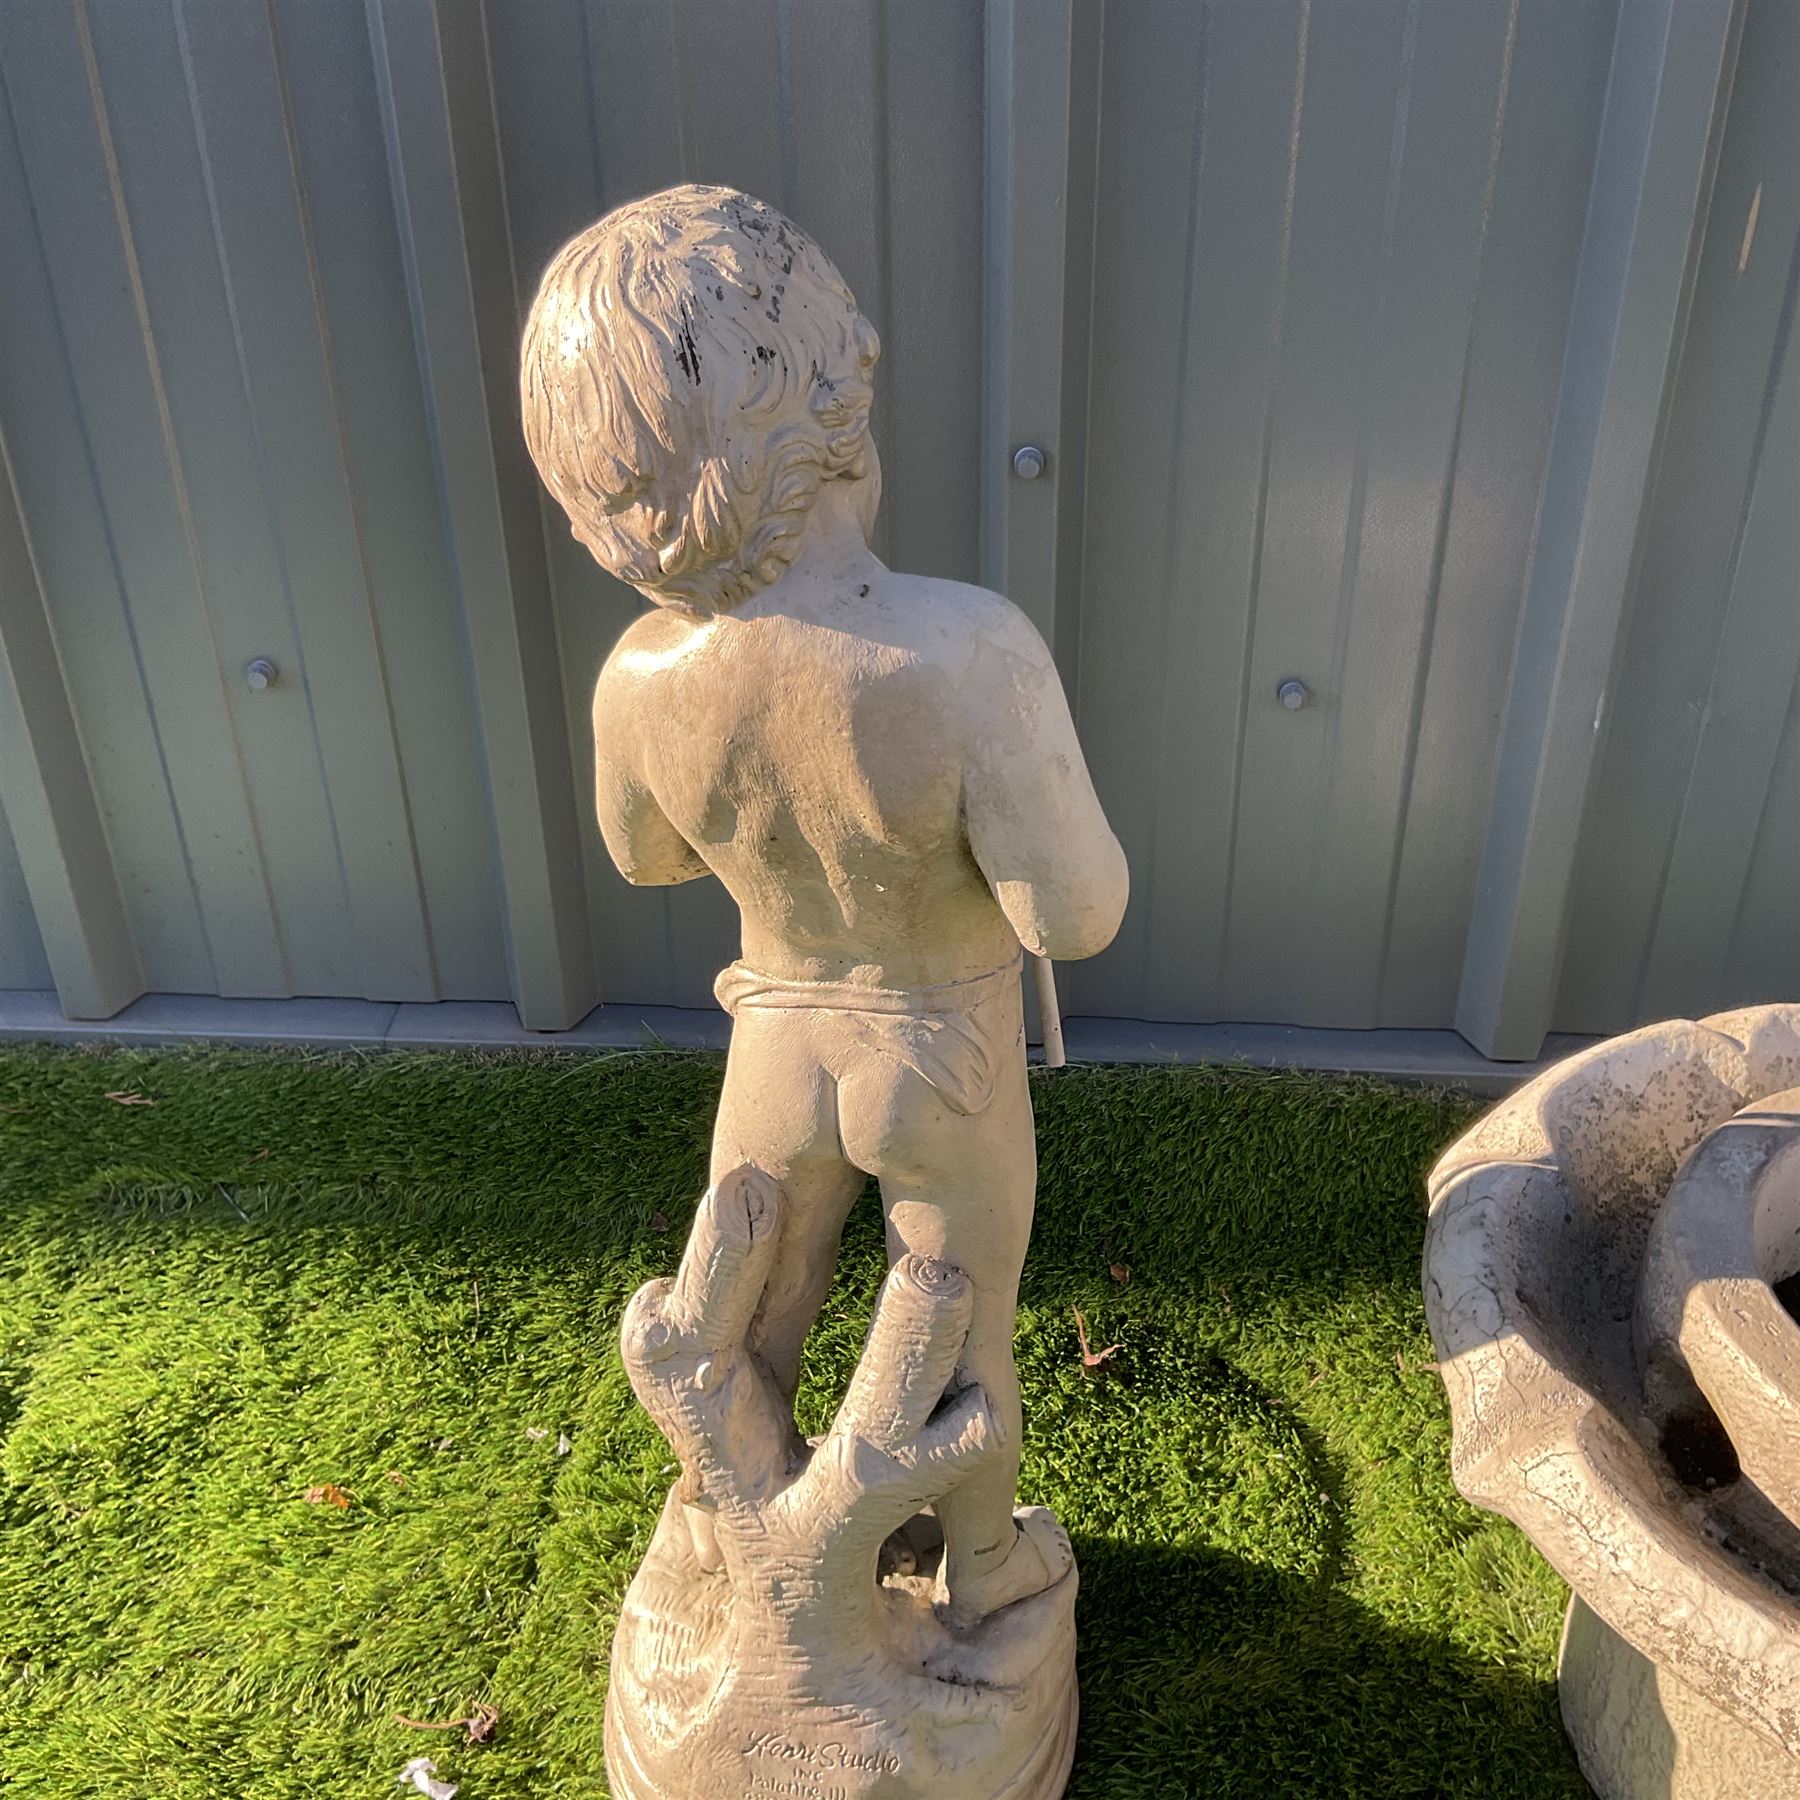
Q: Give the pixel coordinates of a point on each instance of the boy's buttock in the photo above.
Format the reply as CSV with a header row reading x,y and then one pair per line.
x,y
932,1100
959,1038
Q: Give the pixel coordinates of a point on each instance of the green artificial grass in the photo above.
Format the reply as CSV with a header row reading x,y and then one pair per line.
x,y
401,1276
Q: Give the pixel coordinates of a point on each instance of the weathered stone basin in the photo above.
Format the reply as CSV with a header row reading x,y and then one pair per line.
x,y
1610,1281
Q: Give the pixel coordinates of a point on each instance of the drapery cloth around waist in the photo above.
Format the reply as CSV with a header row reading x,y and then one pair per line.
x,y
955,1035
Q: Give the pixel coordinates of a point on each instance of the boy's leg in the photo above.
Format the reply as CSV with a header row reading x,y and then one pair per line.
x,y
778,1112
961,1188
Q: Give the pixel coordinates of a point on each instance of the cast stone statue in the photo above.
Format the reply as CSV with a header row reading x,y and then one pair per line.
x,y
883,771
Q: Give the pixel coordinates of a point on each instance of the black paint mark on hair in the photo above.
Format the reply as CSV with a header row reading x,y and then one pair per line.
x,y
764,353
862,593
687,352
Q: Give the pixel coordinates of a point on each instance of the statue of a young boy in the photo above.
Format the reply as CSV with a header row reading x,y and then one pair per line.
x,y
881,768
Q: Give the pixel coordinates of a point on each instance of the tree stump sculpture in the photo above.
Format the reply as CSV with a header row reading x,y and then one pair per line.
x,y
758,1652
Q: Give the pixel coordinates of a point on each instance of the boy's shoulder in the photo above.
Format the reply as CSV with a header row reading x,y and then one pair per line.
x,y
627,681
649,640
954,625
974,618
655,631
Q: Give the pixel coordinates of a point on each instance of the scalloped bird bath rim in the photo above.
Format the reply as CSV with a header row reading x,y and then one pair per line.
x,y
1601,1273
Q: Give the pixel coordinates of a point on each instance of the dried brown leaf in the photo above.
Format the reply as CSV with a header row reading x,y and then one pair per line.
x,y
328,1493
477,1727
1090,1357
1121,1273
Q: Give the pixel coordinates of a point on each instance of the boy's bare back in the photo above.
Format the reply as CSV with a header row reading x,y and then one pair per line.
x,y
872,764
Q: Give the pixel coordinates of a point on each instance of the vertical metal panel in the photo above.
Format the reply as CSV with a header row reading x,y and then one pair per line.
x,y
1040,121
1192,235
75,182
929,385
328,79
1029,50
299,527
1671,71
863,121
78,562
1081,208
1448,131
557,121
236,604
22,960
56,838
1344,312
1351,140
1763,933
1547,132
1691,779
435,88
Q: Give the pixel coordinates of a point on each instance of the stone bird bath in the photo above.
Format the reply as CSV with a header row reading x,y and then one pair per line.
x,y
1610,1279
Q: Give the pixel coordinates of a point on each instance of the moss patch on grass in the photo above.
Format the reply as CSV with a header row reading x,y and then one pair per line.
x,y
401,1277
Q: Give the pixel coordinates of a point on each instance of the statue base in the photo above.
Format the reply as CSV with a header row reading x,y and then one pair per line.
x,y
1640,1730
714,1696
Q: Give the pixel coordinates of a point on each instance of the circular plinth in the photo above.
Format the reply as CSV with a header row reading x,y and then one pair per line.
x,y
821,1764
714,1697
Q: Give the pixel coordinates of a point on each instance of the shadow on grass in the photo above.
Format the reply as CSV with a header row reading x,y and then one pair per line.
x,y
1203,1674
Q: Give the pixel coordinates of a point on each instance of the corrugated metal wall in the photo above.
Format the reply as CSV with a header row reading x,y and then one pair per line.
x,y
1403,348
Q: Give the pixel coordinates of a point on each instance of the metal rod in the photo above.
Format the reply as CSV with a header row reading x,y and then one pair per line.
x,y
1043,972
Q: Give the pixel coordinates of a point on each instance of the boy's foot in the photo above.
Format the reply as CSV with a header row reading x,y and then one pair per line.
x,y
1039,1558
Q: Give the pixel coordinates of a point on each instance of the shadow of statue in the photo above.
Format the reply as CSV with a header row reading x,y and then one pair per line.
x,y
1218,1677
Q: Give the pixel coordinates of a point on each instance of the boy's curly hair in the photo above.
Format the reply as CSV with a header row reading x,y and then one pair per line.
x,y
693,368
